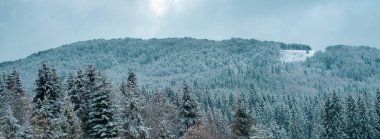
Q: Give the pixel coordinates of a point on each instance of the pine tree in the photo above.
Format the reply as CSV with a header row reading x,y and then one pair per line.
x,y
189,111
243,121
377,110
134,123
47,104
364,127
72,90
42,122
85,88
9,126
49,89
332,118
133,90
351,119
18,98
101,118
70,123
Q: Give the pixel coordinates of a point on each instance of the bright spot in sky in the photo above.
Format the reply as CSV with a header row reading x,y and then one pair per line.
x,y
159,7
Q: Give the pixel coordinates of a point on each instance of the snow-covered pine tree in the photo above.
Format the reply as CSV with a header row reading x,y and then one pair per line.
x,y
49,89
332,118
47,109
189,114
71,90
42,122
243,121
9,126
70,123
85,87
79,95
133,90
364,127
351,119
377,110
101,118
134,124
8,123
18,98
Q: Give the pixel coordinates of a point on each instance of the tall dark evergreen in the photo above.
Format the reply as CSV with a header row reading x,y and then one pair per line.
x,y
85,87
18,98
101,116
47,109
70,123
189,111
134,124
242,125
364,125
332,118
9,127
351,121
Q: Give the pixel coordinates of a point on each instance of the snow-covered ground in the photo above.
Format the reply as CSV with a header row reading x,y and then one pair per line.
x,y
295,55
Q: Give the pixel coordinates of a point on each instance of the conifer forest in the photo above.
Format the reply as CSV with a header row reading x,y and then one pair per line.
x,y
186,88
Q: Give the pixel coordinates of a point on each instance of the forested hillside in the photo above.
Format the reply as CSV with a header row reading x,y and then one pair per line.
x,y
191,88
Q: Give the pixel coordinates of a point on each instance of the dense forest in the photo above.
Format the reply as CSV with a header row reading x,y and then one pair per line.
x,y
189,88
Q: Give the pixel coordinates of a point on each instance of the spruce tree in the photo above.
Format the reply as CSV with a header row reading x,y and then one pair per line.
x,y
189,112
134,124
243,121
79,95
47,104
351,119
70,123
9,126
49,89
85,88
364,127
42,122
101,118
18,98
332,118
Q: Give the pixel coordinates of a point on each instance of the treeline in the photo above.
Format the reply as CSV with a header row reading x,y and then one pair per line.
x,y
294,46
86,105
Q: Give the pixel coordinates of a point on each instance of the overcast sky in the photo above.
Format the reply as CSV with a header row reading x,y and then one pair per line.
x,y
29,26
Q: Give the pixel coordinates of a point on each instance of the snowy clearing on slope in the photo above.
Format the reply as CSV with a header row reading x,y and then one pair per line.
x,y
296,55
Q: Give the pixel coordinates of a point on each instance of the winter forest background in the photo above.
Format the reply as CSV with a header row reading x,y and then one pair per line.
x,y
192,89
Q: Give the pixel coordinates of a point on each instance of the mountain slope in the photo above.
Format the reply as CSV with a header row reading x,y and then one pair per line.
x,y
229,64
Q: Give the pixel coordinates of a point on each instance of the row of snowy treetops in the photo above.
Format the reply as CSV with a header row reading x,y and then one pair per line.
x,y
87,106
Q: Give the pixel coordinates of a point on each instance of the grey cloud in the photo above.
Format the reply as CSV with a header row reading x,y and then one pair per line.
x,y
28,26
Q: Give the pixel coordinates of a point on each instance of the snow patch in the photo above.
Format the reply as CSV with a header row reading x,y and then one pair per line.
x,y
295,55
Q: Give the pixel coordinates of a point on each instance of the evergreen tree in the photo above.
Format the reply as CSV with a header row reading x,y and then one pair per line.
x,y
70,123
18,98
79,94
332,118
364,127
47,109
189,112
42,123
85,88
377,110
101,118
351,119
9,126
243,122
49,89
134,123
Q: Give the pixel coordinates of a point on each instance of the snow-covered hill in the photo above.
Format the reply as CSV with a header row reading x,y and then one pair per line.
x,y
296,55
